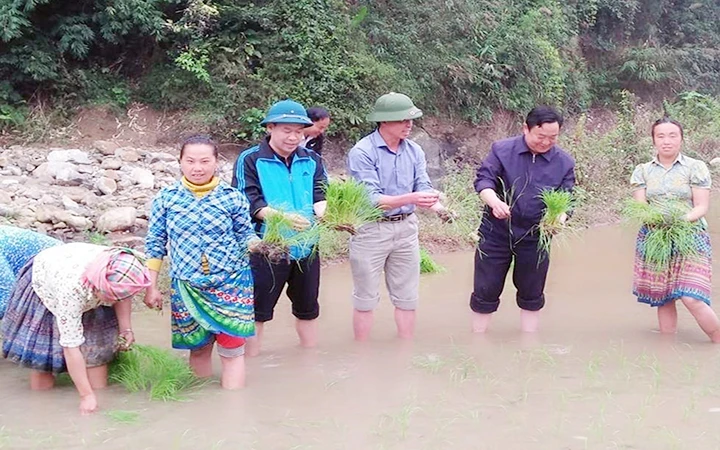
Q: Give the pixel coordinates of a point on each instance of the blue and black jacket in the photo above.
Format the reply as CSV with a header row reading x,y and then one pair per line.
x,y
291,185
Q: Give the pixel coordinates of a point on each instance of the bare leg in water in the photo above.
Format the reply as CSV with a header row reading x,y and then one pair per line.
x,y
41,381
667,318
405,322
307,332
705,317
362,324
201,361
253,344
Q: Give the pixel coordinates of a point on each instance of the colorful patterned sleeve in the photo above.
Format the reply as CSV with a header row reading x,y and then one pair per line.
x,y
700,176
157,237
637,180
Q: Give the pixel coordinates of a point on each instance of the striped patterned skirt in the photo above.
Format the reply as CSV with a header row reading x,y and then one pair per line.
x,y
682,277
31,338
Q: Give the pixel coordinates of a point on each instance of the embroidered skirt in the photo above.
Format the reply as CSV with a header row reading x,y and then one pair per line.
x,y
220,305
681,277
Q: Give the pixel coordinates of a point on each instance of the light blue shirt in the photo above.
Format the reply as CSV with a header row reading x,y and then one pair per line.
x,y
385,172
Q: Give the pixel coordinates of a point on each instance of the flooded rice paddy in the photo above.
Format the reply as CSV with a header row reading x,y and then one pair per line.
x,y
597,376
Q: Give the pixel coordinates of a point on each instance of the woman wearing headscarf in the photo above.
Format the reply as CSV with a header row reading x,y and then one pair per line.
x,y
66,311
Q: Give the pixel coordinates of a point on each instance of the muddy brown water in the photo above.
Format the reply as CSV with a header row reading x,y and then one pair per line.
x,y
597,376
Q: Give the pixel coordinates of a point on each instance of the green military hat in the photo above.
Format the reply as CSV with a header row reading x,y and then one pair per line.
x,y
394,107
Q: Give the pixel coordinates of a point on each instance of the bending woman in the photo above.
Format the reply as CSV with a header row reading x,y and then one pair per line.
x,y
65,311
17,247
674,176
207,226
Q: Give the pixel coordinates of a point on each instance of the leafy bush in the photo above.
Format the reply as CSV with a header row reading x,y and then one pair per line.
x,y
226,60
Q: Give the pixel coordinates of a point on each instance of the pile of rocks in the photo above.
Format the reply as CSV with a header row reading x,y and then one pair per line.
x,y
73,192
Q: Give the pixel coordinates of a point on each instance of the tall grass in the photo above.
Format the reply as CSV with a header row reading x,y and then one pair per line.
x,y
349,206
557,203
145,368
668,231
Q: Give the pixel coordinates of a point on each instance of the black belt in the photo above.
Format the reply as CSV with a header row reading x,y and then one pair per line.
x,y
396,217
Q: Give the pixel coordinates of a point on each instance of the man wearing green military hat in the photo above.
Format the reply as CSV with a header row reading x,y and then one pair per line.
x,y
394,170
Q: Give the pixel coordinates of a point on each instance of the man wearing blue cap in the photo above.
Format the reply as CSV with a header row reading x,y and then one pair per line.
x,y
279,176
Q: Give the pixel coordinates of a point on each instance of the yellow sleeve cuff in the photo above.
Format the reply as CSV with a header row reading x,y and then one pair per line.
x,y
154,264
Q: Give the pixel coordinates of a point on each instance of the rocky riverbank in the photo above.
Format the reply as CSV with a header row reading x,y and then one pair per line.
x,y
73,193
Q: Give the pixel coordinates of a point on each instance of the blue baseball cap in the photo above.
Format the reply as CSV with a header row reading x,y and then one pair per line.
x,y
287,111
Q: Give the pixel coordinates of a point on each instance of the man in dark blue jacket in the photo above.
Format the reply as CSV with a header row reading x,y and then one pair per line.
x,y
279,176
510,181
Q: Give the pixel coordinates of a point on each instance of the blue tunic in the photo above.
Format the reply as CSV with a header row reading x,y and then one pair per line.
x,y
17,247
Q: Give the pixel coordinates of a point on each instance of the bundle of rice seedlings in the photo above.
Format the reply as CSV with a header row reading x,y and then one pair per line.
x,y
642,213
348,206
427,265
668,231
556,204
159,371
279,236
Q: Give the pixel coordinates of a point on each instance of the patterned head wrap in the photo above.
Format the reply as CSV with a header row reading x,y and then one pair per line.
x,y
117,274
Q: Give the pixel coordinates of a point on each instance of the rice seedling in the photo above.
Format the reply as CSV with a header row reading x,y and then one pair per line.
x,y
147,368
279,236
431,363
427,265
668,233
121,416
557,204
348,206
510,195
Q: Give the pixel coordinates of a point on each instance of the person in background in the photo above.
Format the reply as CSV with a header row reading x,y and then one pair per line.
x,y
315,134
280,176
206,225
515,172
17,247
674,176
70,304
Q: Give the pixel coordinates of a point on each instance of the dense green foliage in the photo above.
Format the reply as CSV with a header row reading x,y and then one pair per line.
x,y
226,61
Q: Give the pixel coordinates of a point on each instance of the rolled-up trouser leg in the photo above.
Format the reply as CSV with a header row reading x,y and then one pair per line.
x,y
529,275
492,262
230,346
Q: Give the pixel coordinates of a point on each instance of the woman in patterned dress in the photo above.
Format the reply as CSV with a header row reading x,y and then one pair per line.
x,y
65,311
206,224
17,247
672,176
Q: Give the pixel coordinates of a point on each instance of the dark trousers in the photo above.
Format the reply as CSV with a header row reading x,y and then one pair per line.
x,y
493,258
303,286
